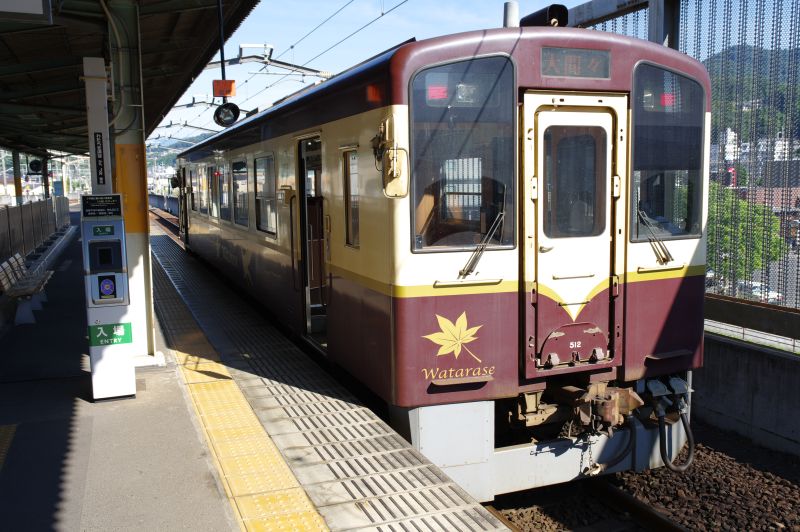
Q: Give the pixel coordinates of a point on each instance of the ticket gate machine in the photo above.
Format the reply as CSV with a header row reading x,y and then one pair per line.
x,y
107,298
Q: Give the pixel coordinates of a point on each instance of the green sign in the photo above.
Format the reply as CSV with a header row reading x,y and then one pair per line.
x,y
103,230
110,334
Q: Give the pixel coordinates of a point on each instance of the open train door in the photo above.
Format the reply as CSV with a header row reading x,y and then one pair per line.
x,y
575,149
183,203
312,237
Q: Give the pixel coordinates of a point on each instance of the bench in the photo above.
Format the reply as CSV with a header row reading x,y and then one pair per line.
x,y
25,286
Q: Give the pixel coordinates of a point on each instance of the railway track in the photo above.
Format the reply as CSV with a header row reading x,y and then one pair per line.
x,y
592,504
732,485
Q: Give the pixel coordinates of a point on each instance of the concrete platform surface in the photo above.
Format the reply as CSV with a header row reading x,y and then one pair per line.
x,y
67,463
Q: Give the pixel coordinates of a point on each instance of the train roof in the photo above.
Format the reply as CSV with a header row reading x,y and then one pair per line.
x,y
383,79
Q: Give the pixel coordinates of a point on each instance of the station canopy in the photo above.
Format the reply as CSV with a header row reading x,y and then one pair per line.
x,y
42,96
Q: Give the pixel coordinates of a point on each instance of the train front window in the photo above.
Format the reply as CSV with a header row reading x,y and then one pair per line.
x,y
666,191
462,145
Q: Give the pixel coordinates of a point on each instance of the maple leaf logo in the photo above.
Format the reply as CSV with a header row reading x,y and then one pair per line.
x,y
453,336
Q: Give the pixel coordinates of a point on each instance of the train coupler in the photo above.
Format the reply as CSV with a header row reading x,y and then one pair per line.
x,y
597,408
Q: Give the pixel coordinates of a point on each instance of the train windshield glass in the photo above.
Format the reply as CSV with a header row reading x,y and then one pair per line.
x,y
666,192
462,120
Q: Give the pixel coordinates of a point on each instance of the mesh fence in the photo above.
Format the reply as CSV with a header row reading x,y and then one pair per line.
x,y
751,52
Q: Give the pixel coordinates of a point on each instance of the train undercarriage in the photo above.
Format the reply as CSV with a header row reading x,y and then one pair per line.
x,y
561,434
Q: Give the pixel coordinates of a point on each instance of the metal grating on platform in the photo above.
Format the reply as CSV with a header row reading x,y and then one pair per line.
x,y
359,473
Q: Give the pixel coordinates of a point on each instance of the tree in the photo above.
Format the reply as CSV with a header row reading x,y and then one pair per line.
x,y
739,232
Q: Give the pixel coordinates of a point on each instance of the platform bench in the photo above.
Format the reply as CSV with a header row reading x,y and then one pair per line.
x,y
25,286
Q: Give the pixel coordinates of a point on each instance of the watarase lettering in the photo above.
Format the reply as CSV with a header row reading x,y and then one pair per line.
x,y
457,373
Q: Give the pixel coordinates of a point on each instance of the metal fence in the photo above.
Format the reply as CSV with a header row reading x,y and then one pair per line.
x,y
165,203
751,50
23,228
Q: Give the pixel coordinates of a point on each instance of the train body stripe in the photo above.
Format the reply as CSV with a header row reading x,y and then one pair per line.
x,y
504,286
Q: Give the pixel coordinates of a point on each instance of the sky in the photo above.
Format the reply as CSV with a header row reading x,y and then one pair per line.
x,y
301,30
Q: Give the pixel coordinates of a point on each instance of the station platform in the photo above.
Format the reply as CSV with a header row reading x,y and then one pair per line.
x,y
238,429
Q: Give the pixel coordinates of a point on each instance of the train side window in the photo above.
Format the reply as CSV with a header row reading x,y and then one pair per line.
x,y
352,195
193,194
266,203
574,198
224,193
666,191
239,176
462,150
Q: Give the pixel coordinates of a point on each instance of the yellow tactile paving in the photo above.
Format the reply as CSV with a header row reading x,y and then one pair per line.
x,y
292,522
236,433
193,357
249,463
229,420
241,446
6,436
205,372
271,504
264,493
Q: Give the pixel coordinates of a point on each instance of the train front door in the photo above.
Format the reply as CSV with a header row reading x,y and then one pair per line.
x,y
574,153
312,248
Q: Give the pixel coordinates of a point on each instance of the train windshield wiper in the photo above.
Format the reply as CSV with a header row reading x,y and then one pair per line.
x,y
473,260
659,248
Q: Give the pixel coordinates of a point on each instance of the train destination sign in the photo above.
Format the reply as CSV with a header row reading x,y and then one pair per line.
x,y
576,63
102,205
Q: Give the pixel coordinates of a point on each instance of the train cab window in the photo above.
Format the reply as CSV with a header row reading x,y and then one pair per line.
x,y
224,193
352,194
239,176
462,149
574,196
666,191
205,179
195,190
266,203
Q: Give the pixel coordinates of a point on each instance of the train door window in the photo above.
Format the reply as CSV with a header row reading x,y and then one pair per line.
x,y
213,188
223,182
239,177
574,181
462,147
204,178
311,150
352,198
266,203
195,191
666,195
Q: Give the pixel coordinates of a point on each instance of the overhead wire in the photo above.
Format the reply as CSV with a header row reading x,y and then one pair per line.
x,y
291,47
362,28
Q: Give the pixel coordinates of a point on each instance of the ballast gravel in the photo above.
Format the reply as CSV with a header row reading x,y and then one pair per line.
x,y
733,484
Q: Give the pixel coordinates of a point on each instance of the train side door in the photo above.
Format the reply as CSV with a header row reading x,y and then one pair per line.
x,y
575,149
312,246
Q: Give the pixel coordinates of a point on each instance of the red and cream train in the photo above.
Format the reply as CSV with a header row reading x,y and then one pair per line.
x,y
500,233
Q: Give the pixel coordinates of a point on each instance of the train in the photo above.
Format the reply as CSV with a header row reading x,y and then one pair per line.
x,y
500,233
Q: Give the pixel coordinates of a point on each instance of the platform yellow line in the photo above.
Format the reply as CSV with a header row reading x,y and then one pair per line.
x,y
263,491
261,488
